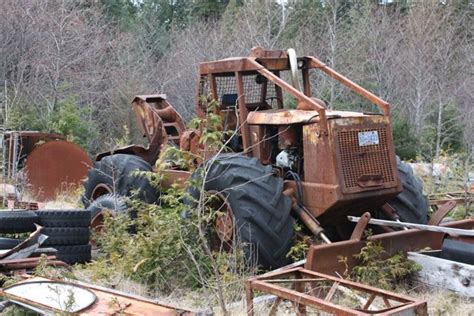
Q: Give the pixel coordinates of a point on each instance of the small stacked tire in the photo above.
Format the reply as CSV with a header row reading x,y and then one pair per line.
x,y
68,232
12,222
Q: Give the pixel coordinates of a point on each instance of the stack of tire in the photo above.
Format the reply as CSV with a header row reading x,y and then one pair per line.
x,y
67,230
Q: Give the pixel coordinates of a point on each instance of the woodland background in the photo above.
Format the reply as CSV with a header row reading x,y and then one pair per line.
x,y
74,66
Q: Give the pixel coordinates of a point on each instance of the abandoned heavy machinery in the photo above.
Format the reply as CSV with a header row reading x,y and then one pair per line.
x,y
293,159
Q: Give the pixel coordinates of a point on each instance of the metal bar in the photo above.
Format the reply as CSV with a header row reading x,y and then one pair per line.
x,y
213,87
332,291
316,63
243,113
443,210
274,307
294,92
288,268
299,287
343,282
386,302
294,280
447,230
369,301
301,298
361,225
307,218
404,304
306,83
25,260
358,286
249,297
279,93
30,265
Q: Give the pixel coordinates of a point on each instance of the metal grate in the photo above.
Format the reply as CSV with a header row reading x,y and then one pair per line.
x,y
253,90
358,160
225,85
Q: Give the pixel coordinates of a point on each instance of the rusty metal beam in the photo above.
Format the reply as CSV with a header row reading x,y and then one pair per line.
x,y
292,91
432,228
316,63
243,113
324,258
443,210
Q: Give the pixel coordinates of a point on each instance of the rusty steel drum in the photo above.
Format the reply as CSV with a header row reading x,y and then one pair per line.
x,y
55,167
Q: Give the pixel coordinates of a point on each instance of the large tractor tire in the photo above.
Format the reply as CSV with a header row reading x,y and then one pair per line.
x,y
115,174
411,204
255,208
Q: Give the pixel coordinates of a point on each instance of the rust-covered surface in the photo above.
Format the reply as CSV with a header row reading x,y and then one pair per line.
x,y
17,145
306,288
341,173
344,161
325,258
54,167
159,122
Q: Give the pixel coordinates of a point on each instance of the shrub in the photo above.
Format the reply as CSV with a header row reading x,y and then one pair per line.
x,y
406,144
375,268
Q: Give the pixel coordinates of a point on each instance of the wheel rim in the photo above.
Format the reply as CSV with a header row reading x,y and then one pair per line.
x,y
223,223
97,224
100,189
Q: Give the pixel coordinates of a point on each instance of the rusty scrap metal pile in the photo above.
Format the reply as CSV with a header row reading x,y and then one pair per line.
x,y
314,282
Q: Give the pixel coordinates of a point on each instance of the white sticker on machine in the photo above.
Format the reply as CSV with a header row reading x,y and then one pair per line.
x,y
368,138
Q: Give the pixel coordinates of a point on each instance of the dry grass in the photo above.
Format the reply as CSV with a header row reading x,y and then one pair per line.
x,y
442,302
66,199
185,299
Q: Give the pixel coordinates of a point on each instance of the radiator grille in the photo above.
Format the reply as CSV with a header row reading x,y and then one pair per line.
x,y
356,160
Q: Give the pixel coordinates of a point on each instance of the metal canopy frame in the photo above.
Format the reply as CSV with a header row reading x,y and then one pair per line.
x,y
306,288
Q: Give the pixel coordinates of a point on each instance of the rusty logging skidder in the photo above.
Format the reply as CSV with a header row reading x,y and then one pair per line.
x,y
308,164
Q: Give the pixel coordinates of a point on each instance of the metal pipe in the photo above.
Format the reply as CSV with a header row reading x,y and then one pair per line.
x,y
310,221
446,230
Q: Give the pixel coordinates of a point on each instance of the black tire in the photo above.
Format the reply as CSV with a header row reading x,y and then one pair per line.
x,y
9,243
17,221
48,251
66,236
411,204
262,218
116,173
64,218
114,203
74,254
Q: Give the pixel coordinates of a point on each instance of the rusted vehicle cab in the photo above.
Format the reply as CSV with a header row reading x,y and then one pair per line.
x,y
344,162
